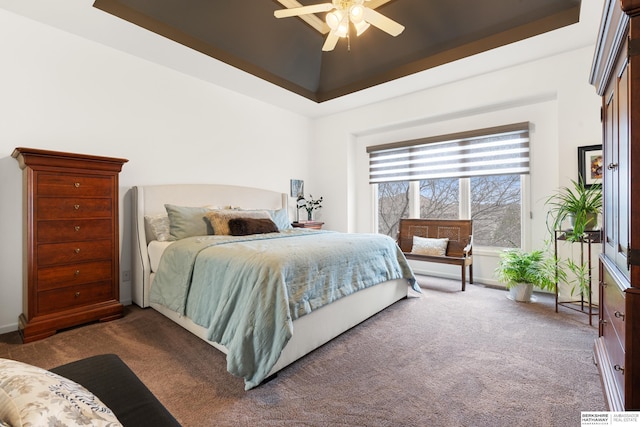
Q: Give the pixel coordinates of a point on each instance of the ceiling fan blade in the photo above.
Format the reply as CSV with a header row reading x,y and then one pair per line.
x,y
387,25
304,10
330,42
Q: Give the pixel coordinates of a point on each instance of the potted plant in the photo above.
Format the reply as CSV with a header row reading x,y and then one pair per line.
x,y
520,271
579,204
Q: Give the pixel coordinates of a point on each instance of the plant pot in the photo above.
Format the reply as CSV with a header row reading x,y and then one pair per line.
x,y
521,292
591,221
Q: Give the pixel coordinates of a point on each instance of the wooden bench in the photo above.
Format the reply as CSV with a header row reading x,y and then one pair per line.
x,y
459,233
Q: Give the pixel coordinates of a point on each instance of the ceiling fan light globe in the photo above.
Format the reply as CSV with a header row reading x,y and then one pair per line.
x,y
361,27
356,13
343,29
333,19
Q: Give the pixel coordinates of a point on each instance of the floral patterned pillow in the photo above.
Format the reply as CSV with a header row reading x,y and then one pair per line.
x,y
160,227
33,396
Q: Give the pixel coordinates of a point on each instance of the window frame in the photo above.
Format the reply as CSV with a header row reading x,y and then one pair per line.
x,y
464,209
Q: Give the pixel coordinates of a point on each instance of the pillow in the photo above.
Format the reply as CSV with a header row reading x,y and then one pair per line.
x,y
281,218
245,226
219,219
426,246
187,221
159,227
33,396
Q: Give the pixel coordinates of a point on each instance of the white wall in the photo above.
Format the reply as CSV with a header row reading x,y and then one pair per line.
x,y
552,93
65,93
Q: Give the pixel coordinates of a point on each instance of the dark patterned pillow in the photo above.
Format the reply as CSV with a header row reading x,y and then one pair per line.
x,y
245,226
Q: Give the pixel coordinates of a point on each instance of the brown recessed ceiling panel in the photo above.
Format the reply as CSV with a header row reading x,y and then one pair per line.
x,y
288,51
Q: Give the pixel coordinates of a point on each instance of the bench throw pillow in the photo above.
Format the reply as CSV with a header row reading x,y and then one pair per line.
x,y
428,246
36,397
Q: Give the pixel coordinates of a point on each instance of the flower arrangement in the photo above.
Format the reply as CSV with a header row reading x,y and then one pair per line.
x,y
309,205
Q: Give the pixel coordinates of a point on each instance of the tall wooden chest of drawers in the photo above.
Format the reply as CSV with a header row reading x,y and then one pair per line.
x,y
616,75
71,246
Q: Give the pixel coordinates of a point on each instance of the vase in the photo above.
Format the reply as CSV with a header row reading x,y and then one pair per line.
x,y
310,215
590,221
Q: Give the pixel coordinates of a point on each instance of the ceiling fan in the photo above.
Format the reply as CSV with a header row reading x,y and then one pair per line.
x,y
341,14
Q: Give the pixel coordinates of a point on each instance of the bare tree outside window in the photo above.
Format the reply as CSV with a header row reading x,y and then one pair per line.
x,y
495,206
495,210
393,204
439,198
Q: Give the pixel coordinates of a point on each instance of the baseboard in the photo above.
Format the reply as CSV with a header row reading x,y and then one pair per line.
x,y
11,327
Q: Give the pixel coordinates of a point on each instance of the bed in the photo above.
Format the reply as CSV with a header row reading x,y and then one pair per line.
x,y
307,330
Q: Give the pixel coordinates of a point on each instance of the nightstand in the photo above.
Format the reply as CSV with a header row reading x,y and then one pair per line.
x,y
316,225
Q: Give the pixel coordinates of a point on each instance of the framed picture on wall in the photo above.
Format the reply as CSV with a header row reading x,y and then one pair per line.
x,y
297,188
590,164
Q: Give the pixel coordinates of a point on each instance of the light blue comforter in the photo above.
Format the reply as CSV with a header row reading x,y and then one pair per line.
x,y
248,290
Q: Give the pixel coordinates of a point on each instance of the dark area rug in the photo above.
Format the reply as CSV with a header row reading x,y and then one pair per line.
x,y
445,358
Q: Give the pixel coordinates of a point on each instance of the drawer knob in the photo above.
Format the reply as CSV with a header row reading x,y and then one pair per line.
x,y
77,294
76,273
77,184
76,250
76,207
619,315
619,368
77,228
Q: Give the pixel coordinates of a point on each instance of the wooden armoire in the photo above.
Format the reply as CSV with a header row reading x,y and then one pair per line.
x,y
616,75
71,240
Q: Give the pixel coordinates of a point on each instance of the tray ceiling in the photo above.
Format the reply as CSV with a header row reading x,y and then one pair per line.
x,y
288,52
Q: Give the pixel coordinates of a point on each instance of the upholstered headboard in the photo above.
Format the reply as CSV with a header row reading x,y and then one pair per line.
x,y
150,200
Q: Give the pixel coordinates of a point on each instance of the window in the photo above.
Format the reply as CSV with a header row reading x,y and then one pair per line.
x,y
393,204
440,198
472,175
496,210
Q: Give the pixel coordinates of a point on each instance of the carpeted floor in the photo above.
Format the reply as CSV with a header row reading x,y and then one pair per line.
x,y
445,358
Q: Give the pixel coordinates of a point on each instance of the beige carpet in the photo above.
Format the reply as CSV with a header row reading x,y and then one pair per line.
x,y
447,358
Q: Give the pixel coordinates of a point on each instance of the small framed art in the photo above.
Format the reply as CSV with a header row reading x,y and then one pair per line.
x,y
590,164
297,188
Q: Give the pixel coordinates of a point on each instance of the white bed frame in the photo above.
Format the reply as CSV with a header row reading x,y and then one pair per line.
x,y
310,331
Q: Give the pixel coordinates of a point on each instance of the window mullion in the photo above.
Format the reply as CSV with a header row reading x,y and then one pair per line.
x,y
464,211
414,199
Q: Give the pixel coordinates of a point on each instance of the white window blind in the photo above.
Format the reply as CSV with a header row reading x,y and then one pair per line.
x,y
493,151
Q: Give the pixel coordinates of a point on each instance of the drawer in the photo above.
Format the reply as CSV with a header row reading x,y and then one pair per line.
x,y
64,253
615,351
613,303
61,184
61,299
68,207
74,230
73,274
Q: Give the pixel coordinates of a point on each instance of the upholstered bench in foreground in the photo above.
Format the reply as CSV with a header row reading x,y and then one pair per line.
x,y
92,391
109,378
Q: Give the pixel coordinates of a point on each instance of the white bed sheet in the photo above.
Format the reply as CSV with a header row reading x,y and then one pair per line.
x,y
156,249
